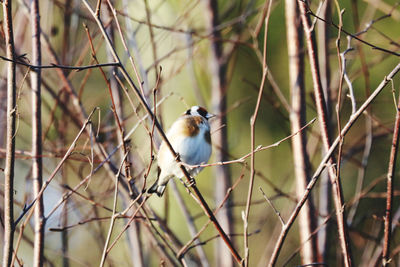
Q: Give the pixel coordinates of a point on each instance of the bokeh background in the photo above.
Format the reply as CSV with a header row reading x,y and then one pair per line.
x,y
172,42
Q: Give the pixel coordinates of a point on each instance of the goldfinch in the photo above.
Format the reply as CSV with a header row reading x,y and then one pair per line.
x,y
190,137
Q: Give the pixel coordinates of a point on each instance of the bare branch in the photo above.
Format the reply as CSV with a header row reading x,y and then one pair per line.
x,y
9,226
323,162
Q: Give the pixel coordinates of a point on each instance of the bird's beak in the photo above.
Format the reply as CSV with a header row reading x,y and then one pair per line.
x,y
209,116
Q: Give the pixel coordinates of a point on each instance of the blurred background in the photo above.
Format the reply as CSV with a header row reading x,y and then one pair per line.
x,y
207,53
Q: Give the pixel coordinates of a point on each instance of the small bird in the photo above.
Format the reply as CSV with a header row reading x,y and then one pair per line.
x,y
190,137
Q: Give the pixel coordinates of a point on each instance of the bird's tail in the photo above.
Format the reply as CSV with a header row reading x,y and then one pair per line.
x,y
156,188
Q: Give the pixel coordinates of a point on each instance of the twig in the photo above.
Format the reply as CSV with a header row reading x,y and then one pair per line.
x,y
133,216
58,66
346,77
163,136
257,149
9,227
184,249
190,225
301,164
273,207
121,132
107,159
138,77
389,191
323,162
37,168
245,214
67,154
353,35
113,217
324,128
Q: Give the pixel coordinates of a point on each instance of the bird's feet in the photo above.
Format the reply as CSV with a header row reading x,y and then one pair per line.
x,y
191,182
188,184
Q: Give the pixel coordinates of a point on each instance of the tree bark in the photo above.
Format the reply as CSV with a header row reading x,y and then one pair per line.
x,y
9,227
297,121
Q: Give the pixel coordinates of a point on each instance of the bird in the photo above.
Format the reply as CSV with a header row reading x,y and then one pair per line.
x,y
190,137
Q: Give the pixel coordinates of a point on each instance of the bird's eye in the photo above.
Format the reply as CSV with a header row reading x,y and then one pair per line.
x,y
202,112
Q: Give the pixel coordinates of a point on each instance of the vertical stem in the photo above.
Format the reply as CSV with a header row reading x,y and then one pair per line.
x,y
64,213
37,136
297,121
325,186
253,120
9,227
220,138
157,125
324,125
135,245
191,226
389,190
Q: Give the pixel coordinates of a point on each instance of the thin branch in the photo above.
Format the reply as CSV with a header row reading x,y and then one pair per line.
x,y
253,119
322,165
9,227
301,164
346,77
143,102
58,66
113,217
324,128
121,131
353,35
257,149
273,207
67,154
191,225
389,191
185,248
37,168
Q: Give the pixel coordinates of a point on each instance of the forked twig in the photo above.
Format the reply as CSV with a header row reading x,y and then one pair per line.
x,y
322,165
143,102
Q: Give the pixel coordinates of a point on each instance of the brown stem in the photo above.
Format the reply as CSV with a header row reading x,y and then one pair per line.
x,y
9,227
253,120
325,198
297,120
389,191
323,164
141,99
324,126
121,132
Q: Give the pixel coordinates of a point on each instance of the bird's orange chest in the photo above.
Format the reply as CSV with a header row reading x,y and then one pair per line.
x,y
191,127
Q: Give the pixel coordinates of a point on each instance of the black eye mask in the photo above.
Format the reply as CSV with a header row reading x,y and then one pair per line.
x,y
202,112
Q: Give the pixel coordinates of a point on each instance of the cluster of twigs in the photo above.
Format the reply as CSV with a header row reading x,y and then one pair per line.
x,y
133,223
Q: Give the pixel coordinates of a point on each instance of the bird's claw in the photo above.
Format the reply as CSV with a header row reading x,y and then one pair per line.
x,y
191,182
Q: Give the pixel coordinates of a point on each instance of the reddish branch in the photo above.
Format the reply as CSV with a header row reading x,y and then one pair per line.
x,y
389,191
323,163
324,126
121,131
9,227
147,108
